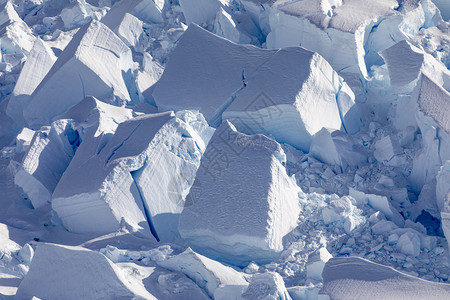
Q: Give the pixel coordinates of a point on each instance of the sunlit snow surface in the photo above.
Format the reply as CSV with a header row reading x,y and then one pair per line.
x,y
224,149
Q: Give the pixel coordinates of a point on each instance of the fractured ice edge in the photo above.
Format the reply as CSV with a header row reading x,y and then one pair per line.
x,y
224,149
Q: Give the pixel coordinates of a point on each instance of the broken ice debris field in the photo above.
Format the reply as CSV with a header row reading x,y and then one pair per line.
x,y
224,149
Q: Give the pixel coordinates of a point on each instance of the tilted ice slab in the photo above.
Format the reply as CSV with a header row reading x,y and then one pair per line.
x,y
128,27
95,63
218,281
64,272
336,148
348,34
406,63
357,278
53,147
50,152
149,11
288,93
16,38
37,65
138,178
242,202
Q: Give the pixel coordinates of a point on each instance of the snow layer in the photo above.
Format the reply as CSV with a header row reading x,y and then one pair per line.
x,y
274,92
96,63
357,278
240,223
63,272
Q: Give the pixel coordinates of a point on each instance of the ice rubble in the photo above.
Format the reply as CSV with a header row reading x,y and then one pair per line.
x,y
240,223
76,273
357,278
78,13
124,166
95,63
247,92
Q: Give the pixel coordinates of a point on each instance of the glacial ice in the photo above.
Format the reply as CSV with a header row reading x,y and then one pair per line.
x,y
210,275
302,185
128,27
124,167
240,224
349,35
50,152
37,65
269,285
58,272
247,92
357,278
95,63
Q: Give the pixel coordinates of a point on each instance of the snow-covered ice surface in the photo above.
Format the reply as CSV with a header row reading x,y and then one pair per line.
x,y
240,224
356,278
224,149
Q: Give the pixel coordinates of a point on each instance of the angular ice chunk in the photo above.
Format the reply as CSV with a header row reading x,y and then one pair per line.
x,y
442,184
139,176
266,286
96,63
78,13
199,11
432,107
336,148
246,201
64,272
128,27
406,62
37,65
316,263
52,148
207,273
357,278
148,11
288,93
50,152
